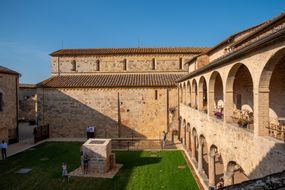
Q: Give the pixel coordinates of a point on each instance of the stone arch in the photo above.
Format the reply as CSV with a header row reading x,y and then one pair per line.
x,y
216,166
188,96
194,144
271,91
203,95
239,96
203,161
216,94
194,94
234,174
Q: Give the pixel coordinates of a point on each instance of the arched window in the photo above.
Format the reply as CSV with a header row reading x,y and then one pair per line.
x,y
73,63
1,101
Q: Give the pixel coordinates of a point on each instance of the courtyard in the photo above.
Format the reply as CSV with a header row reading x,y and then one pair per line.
x,y
141,170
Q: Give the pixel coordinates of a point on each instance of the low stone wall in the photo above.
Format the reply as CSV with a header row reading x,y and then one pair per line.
x,y
273,181
258,156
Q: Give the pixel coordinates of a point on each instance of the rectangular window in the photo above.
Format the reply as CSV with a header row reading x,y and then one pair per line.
x,y
238,101
73,64
125,64
155,95
153,64
181,63
98,65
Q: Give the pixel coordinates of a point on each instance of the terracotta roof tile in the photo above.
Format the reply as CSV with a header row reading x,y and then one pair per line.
x,y
111,80
120,51
7,71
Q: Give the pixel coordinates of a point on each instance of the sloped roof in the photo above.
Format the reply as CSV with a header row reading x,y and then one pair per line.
x,y
110,81
113,51
7,71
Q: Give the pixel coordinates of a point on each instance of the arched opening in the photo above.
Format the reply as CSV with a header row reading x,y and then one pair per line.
x,y
194,144
203,162
188,93
216,167
194,94
240,96
271,105
216,96
234,174
203,97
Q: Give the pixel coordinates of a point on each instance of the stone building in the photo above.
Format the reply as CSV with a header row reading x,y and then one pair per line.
x,y
232,108
124,92
9,81
27,102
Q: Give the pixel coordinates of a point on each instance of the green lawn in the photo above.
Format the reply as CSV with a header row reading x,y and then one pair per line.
x,y
141,170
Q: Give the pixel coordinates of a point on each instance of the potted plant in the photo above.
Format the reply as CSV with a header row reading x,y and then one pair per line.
x,y
218,114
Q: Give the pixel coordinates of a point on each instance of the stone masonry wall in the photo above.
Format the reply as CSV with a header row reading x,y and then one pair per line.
x,y
258,156
70,111
8,116
135,63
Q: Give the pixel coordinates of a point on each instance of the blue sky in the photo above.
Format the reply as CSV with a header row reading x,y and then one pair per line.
x,y
31,29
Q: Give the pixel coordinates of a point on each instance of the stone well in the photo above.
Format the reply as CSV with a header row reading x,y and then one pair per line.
x,y
101,159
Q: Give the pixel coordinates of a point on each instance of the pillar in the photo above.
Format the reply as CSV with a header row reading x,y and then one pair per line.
x,y
193,147
211,102
261,112
228,106
212,168
193,99
200,99
200,156
228,178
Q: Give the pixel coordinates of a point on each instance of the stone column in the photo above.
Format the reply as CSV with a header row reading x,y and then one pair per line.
x,y
211,101
200,156
193,99
228,106
261,112
212,168
200,100
193,147
228,178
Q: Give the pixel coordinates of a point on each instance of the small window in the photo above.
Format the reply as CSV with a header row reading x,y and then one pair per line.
x,y
153,64
125,64
73,63
1,102
155,95
98,65
181,63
